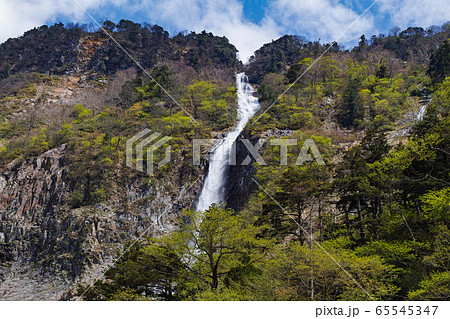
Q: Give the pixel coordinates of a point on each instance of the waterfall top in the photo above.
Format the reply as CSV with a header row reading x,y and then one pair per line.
x,y
214,186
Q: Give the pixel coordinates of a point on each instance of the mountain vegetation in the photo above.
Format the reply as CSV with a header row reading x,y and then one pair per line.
x,y
373,223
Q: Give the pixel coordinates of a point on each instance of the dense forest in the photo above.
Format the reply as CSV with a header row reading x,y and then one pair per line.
x,y
371,224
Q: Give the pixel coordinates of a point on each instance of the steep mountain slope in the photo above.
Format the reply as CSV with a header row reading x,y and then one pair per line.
x,y
58,50
70,98
69,204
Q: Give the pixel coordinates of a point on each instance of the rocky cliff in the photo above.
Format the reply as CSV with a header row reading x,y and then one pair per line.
x,y
47,246
51,236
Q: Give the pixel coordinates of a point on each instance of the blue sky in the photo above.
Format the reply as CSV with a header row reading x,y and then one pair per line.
x,y
247,24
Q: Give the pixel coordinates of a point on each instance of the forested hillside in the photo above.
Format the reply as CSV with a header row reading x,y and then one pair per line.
x,y
69,202
379,209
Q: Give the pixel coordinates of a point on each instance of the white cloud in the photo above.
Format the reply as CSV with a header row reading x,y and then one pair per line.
x,y
407,13
221,17
327,20
16,17
315,19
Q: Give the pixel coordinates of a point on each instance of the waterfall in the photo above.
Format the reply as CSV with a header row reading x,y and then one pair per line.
x,y
419,117
423,108
214,185
421,113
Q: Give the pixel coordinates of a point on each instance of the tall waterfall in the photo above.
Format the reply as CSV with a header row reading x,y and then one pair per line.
x,y
421,112
214,185
427,97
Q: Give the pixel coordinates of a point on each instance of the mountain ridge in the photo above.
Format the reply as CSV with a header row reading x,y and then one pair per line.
x,y
69,205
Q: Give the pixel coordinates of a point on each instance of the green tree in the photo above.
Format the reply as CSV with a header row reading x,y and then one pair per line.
x,y
436,287
148,269
351,110
301,191
160,79
218,241
439,67
4,71
286,275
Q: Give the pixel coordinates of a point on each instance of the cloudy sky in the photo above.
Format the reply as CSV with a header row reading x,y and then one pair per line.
x,y
248,24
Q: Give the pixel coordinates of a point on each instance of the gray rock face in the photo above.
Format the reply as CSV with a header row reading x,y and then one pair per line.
x,y
47,247
239,178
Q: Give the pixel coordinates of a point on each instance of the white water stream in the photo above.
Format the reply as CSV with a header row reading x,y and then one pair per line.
x,y
421,113
214,185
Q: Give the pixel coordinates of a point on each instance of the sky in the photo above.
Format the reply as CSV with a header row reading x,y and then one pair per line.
x,y
247,24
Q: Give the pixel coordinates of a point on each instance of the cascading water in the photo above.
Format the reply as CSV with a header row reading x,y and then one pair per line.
x,y
214,185
423,108
421,113
419,116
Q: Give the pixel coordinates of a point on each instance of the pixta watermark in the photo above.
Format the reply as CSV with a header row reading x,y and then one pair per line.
x,y
141,149
136,146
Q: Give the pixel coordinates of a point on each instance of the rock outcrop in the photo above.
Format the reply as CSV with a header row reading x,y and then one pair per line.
x,y
46,246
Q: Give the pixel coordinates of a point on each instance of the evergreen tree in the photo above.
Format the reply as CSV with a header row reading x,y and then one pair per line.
x,y
439,67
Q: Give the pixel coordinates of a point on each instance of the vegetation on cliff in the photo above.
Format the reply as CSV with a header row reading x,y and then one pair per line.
x,y
378,209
